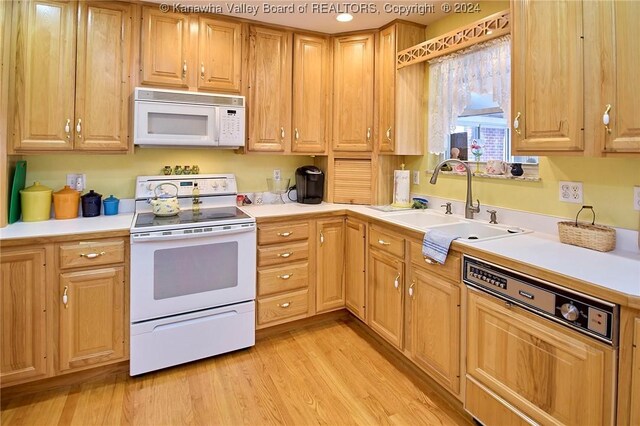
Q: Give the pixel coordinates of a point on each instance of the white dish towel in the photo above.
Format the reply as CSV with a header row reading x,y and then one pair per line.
x,y
435,245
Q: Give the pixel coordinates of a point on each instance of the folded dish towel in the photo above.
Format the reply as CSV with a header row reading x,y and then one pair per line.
x,y
436,245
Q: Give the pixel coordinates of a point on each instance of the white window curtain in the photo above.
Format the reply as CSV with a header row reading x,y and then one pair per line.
x,y
483,69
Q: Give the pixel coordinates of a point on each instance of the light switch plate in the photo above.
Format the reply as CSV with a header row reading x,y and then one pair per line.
x,y
570,192
636,197
416,177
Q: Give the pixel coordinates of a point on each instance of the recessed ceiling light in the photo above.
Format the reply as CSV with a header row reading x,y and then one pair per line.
x,y
344,17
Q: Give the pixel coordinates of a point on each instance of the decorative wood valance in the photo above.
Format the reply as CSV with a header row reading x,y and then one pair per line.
x,y
492,26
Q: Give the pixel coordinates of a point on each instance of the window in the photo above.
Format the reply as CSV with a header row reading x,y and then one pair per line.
x,y
469,98
484,121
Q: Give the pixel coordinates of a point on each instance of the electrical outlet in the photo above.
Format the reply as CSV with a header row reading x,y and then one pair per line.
x,y
276,174
416,177
636,197
77,181
571,192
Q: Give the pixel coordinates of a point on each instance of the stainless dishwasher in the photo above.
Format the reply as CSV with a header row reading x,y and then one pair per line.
x,y
536,352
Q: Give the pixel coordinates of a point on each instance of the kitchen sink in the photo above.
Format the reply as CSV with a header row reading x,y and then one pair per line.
x,y
420,218
474,231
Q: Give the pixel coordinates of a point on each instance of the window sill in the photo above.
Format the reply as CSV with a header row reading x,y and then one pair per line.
x,y
523,178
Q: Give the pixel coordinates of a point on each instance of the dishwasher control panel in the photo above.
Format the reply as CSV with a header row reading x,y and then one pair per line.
x,y
589,315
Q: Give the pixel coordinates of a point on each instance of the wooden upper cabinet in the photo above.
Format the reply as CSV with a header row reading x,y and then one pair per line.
x,y
353,80
386,94
42,86
165,48
219,55
102,83
435,327
310,94
23,300
385,310
547,75
330,290
92,321
355,267
611,83
269,100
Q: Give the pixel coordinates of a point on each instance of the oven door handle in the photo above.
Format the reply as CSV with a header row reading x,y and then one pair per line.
x,y
159,236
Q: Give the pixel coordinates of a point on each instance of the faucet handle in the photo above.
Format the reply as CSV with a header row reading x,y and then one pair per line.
x,y
447,208
493,218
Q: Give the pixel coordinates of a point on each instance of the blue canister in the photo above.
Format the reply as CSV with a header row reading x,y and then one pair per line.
x,y
110,205
91,203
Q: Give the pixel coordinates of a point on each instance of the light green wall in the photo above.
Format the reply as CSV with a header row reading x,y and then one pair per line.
x,y
116,174
607,182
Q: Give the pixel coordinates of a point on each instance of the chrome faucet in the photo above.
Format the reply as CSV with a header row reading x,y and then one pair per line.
x,y
470,209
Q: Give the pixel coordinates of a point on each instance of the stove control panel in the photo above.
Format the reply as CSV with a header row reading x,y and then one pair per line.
x,y
209,185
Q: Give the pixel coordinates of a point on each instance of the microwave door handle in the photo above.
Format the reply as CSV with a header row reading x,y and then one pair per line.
x,y
216,126
152,237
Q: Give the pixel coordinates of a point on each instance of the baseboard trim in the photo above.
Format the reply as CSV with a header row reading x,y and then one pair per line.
x,y
63,380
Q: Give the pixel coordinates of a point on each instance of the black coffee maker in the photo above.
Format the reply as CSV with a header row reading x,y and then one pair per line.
x,y
309,184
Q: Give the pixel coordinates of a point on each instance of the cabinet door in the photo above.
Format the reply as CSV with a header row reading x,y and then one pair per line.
x,y
353,93
310,94
102,77
634,417
386,279
23,314
613,62
42,87
387,101
330,266
552,374
270,89
219,55
355,272
435,327
165,48
92,327
547,74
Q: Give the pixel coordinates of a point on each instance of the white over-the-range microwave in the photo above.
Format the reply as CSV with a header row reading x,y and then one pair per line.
x,y
188,119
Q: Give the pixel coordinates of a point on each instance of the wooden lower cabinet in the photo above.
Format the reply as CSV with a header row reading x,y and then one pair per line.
x,y
92,317
330,291
385,296
435,327
355,267
23,338
634,416
547,372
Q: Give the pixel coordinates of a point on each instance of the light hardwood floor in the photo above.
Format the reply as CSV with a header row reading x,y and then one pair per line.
x,y
325,373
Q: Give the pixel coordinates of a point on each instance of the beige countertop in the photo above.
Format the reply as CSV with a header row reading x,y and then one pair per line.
x,y
80,225
614,271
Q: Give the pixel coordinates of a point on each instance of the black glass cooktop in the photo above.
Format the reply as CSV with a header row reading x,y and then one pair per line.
x,y
185,217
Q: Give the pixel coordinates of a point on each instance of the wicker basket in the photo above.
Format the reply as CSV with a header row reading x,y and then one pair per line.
x,y
591,236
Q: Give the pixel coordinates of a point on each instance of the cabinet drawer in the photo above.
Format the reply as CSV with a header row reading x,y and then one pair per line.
x,y
278,308
386,242
271,234
283,278
283,254
451,268
90,253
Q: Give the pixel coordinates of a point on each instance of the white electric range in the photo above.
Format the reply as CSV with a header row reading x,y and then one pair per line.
x,y
193,275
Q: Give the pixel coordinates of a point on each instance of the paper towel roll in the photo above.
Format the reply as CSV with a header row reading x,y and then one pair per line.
x,y
401,187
